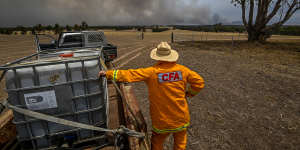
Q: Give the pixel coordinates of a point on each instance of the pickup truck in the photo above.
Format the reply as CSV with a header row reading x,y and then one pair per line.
x,y
77,40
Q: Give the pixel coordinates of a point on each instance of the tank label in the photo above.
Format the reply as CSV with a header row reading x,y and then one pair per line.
x,y
41,100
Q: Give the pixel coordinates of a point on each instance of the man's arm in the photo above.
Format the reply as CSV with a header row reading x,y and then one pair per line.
x,y
131,75
196,83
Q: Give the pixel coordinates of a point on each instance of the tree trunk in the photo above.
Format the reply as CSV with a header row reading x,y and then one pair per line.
x,y
257,36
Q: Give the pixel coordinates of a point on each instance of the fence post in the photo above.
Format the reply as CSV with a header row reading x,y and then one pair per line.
x,y
192,36
232,41
202,36
172,37
142,35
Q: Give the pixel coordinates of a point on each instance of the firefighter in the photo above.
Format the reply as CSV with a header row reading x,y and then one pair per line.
x,y
168,85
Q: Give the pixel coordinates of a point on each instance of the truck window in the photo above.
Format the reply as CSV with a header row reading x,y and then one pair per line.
x,y
73,39
93,38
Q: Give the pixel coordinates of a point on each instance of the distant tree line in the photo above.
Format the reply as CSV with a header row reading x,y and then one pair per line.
x,y
56,28
288,30
159,29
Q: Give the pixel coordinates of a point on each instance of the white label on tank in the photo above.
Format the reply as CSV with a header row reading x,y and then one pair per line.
x,y
40,100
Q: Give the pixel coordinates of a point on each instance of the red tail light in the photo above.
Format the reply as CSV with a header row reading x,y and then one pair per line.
x,y
112,56
66,55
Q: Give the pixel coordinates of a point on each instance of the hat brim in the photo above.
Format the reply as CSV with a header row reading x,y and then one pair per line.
x,y
172,57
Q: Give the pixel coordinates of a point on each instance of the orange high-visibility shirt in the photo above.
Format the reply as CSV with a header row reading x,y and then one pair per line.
x,y
167,84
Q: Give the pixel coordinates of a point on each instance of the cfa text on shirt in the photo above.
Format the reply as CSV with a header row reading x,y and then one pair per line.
x,y
170,76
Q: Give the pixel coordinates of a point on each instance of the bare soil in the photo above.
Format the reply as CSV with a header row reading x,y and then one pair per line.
x,y
252,95
251,99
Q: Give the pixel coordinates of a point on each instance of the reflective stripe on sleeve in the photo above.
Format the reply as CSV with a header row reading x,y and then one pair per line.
x,y
170,130
115,75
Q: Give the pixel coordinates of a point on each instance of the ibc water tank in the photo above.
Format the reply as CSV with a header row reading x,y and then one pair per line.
x,y
67,88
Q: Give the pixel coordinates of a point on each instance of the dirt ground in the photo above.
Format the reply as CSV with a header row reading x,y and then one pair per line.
x,y
251,99
252,95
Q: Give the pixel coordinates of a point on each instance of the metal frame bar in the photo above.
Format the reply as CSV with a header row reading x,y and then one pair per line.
x,y
85,86
48,86
36,82
29,131
69,79
5,67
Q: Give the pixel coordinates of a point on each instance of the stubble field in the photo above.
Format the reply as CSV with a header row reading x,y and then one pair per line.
x,y
252,95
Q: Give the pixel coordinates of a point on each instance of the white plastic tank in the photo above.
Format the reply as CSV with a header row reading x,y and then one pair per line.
x,y
68,88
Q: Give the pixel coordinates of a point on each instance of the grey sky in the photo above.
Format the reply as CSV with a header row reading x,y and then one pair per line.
x,y
119,12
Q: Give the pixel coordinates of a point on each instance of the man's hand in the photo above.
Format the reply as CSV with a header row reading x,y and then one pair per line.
x,y
102,73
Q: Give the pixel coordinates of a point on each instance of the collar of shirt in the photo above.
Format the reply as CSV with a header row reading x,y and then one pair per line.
x,y
165,63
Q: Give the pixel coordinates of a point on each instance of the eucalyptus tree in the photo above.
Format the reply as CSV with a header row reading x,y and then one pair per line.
x,y
262,17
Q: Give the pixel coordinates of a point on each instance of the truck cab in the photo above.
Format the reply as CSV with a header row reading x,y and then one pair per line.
x,y
78,40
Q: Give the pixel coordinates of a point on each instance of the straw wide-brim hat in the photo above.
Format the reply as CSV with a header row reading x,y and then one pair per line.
x,y
163,52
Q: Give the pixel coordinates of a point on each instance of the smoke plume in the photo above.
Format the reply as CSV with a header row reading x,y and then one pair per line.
x,y
105,12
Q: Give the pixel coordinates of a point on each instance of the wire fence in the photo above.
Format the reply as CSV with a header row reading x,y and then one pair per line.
x,y
208,36
182,36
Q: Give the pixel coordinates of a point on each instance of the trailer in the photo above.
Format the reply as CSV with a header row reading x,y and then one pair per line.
x,y
59,102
